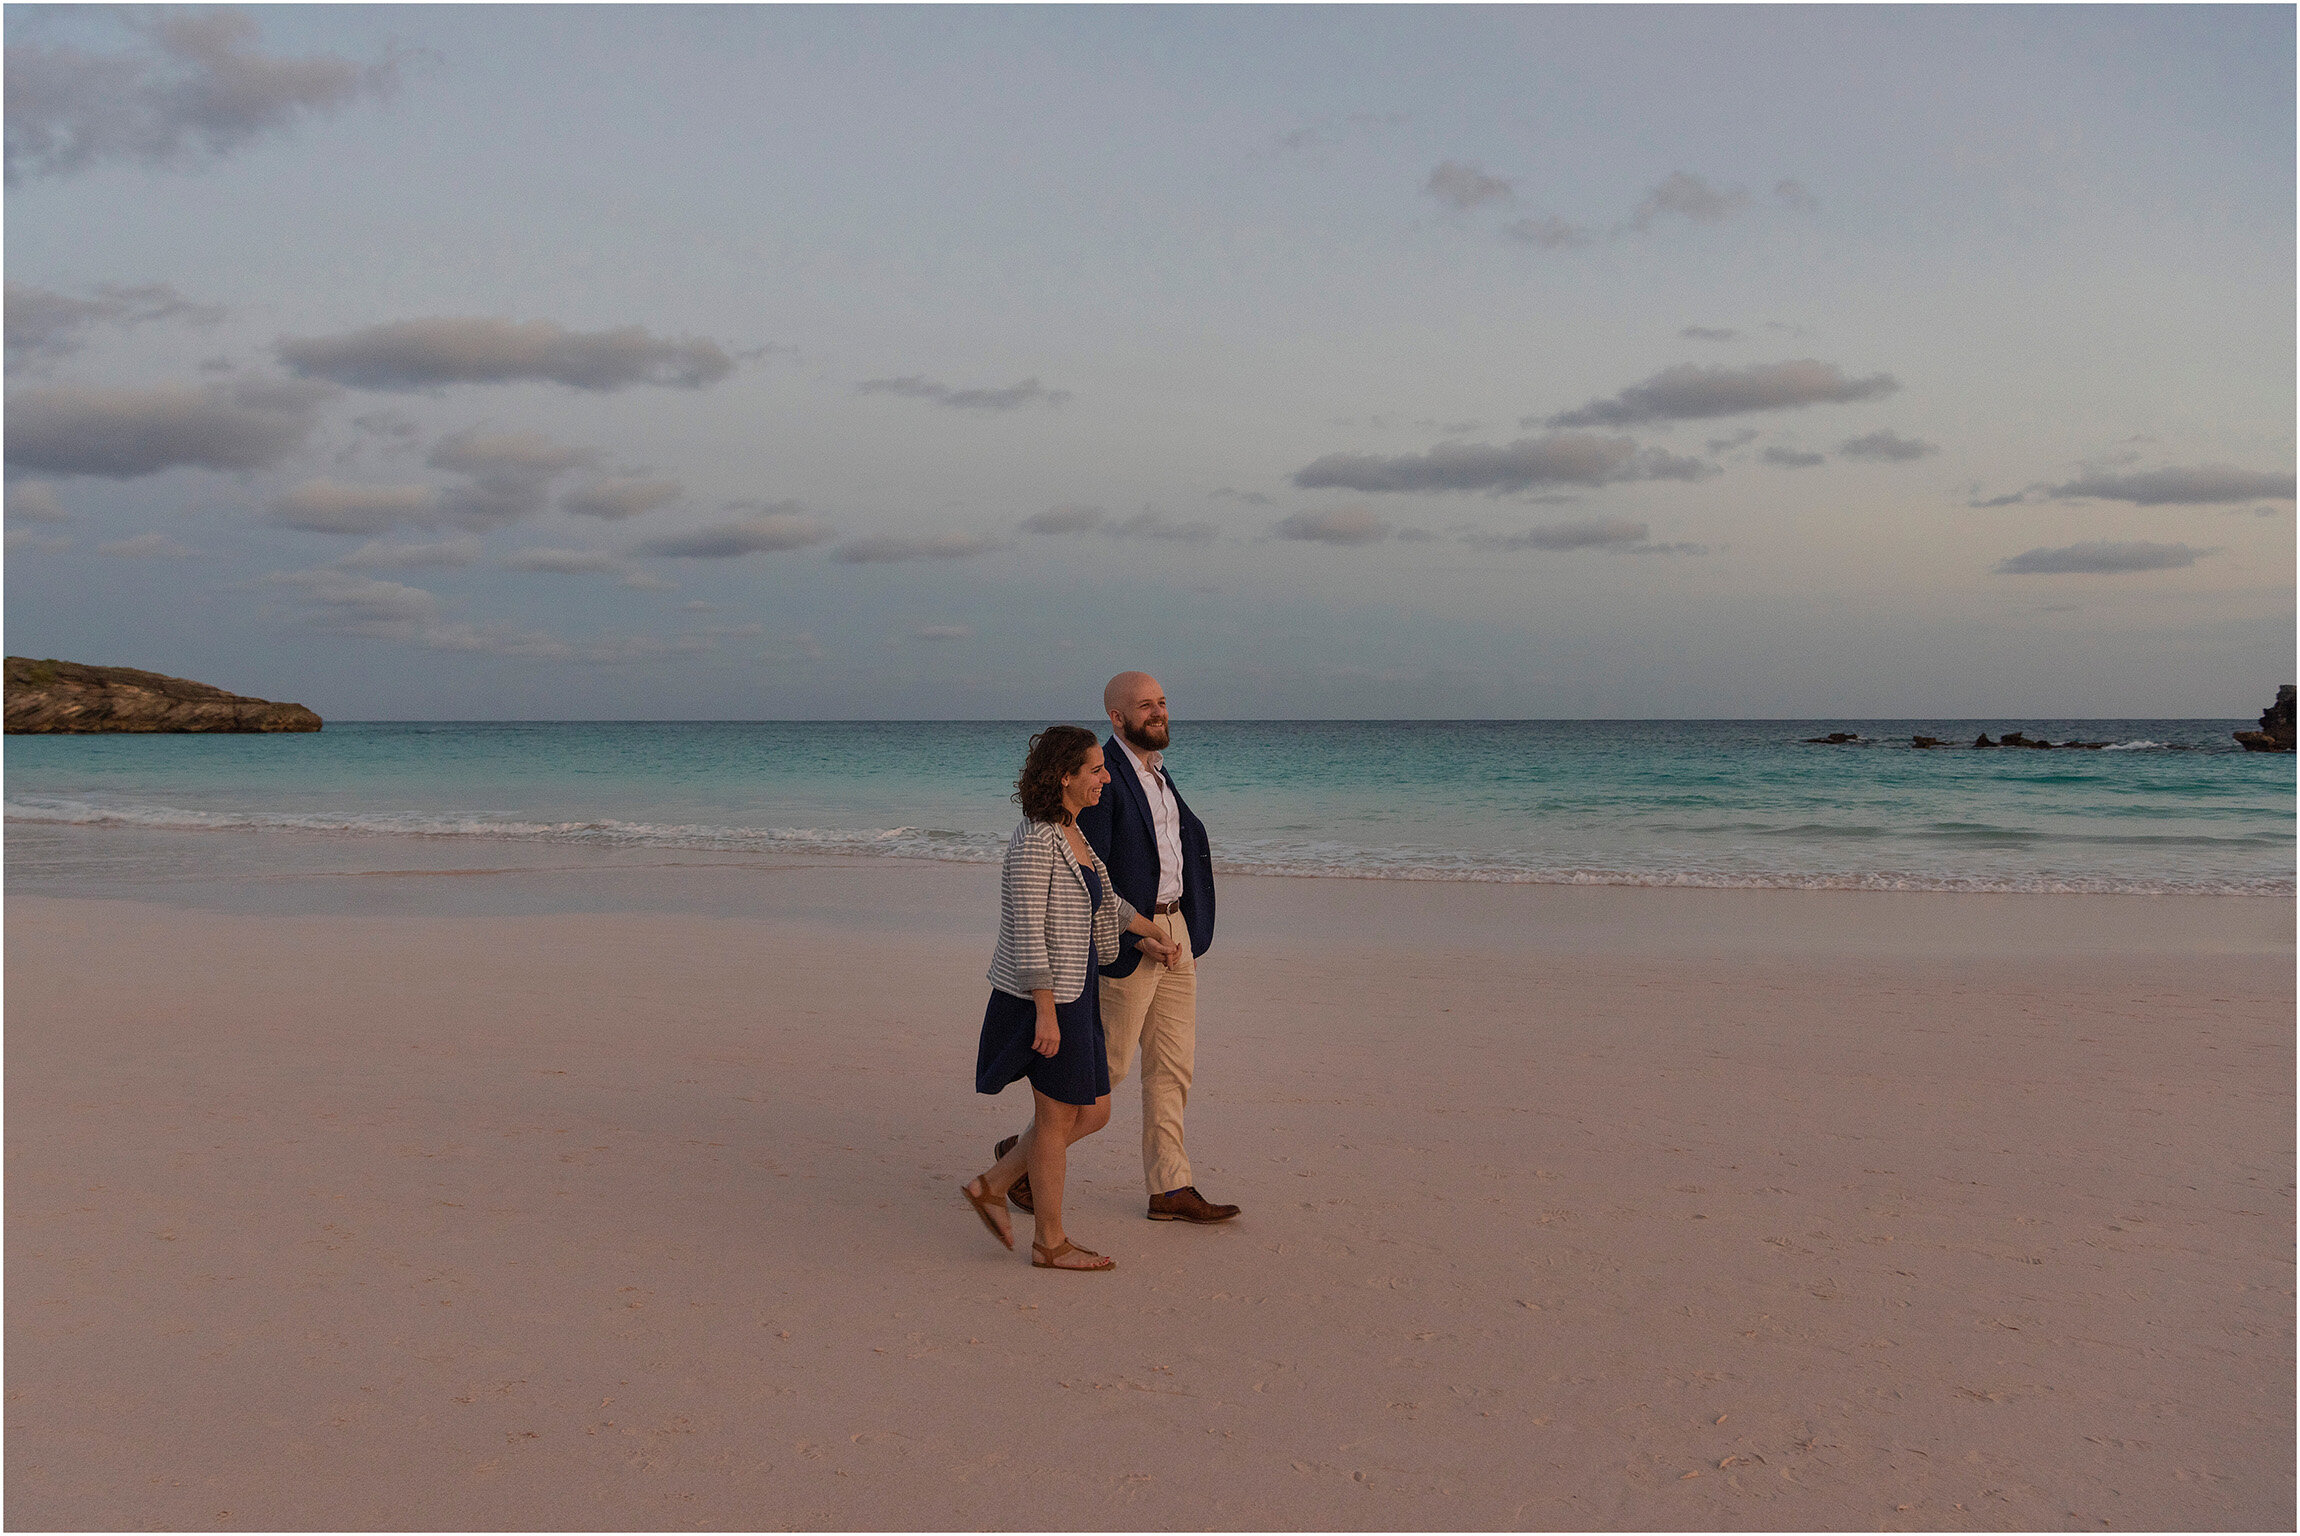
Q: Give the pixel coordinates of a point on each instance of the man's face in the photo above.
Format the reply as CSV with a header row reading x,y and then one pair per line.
x,y
1142,719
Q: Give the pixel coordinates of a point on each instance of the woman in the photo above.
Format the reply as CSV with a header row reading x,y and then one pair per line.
x,y
1058,924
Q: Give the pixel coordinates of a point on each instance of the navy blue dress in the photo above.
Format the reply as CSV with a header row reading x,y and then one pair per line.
x,y
1078,1073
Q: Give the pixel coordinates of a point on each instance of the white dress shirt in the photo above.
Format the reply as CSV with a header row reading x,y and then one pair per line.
x,y
1165,818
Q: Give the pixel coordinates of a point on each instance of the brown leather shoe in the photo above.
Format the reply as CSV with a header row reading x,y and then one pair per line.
x,y
1020,1193
1186,1204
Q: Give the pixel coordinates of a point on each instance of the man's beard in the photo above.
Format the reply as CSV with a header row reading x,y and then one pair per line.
x,y
1146,738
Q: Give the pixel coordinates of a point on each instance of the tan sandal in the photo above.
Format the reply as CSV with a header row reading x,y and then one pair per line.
x,y
1043,1258
981,1204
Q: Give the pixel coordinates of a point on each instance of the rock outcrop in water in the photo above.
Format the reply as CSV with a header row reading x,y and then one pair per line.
x,y
67,698
2275,733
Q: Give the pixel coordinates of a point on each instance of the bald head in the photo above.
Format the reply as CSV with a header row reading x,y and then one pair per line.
x,y
1136,706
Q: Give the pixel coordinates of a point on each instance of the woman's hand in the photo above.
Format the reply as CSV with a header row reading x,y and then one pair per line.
x,y
1160,948
1048,1039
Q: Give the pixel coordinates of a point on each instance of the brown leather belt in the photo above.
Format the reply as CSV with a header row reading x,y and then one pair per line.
x,y
1165,908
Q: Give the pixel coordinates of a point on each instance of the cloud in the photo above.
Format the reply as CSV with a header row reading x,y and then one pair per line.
x,y
1250,498
1065,520
2099,558
1349,526
343,604
146,546
34,501
431,353
2200,485
1691,392
1464,186
1012,397
1707,333
43,323
648,581
562,562
767,533
1688,197
331,506
1791,458
887,549
1885,446
1565,458
932,632
1594,533
1549,232
508,475
1791,193
1150,523
46,544
620,498
2011,499
124,433
188,90
375,554
1740,439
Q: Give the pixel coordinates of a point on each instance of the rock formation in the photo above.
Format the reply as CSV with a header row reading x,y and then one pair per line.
x,y
64,697
2275,733
1833,739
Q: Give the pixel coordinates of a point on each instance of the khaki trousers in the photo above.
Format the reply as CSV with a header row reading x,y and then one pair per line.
x,y
1156,1009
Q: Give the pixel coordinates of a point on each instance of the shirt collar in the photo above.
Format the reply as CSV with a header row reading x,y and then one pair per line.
x,y
1156,761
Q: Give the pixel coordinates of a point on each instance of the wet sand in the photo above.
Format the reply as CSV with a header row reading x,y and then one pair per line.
x,y
586,1197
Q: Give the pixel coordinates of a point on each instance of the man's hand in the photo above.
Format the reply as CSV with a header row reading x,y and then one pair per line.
x,y
1163,950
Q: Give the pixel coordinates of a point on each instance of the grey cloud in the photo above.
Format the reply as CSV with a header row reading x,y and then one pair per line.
x,y
430,353
34,501
1886,446
1564,458
125,433
1348,525
1465,186
889,549
1791,458
146,546
770,532
46,544
1740,439
1791,193
932,632
189,89
1593,533
1549,232
1065,520
1707,333
2099,558
340,603
43,323
648,581
1149,523
1689,197
1415,536
2200,485
2267,511
1679,548
2011,499
331,506
1691,392
1250,498
562,562
1012,397
376,554
620,498
508,474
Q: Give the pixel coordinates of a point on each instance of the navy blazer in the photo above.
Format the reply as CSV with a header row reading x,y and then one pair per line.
x,y
1118,827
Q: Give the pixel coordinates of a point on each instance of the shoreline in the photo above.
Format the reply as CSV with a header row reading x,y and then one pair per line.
x,y
306,846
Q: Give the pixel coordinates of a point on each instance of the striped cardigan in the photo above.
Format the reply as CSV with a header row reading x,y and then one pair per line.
x,y
1044,919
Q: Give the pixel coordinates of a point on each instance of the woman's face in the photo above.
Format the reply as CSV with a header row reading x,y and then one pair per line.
x,y
1084,788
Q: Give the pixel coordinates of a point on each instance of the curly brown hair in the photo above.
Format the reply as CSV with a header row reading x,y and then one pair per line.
x,y
1055,754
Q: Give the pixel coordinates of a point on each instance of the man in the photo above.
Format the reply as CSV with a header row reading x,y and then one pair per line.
x,y
1159,860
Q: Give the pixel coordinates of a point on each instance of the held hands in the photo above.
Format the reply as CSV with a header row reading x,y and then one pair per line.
x,y
1159,948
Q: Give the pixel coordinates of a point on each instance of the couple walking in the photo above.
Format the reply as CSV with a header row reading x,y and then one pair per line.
x,y
1106,902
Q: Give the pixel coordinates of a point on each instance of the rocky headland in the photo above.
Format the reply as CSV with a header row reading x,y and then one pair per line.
x,y
68,698
2275,733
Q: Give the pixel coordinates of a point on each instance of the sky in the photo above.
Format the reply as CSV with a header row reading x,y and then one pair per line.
x,y
529,362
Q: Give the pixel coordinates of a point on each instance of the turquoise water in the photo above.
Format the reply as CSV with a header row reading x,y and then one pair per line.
x,y
2173,806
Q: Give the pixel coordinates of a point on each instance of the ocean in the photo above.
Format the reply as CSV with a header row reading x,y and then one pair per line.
x,y
2170,806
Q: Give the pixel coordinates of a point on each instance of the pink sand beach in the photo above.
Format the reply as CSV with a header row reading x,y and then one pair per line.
x,y
446,1204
